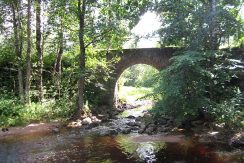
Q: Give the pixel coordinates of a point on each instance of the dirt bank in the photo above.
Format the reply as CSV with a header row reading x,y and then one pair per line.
x,y
31,129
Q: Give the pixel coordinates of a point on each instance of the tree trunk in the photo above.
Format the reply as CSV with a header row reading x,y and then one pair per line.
x,y
58,62
81,82
28,56
213,38
39,51
18,48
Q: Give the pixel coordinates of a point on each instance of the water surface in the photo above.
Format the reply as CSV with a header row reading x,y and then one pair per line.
x,y
75,146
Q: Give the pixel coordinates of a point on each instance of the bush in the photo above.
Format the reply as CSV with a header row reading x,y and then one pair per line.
x,y
230,112
197,80
10,109
13,113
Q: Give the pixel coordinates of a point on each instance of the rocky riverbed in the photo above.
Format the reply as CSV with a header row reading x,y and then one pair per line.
x,y
139,120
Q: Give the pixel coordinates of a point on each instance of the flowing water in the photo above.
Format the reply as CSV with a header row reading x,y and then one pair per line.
x,y
75,146
86,146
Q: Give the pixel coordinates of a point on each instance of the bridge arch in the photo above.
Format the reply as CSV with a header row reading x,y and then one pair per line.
x,y
134,76
155,57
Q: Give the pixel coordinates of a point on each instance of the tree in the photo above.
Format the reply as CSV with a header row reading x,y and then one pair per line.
x,y
39,50
199,25
28,55
57,24
81,83
199,75
102,26
18,35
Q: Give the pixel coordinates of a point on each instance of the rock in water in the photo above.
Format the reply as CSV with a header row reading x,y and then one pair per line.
x,y
238,141
132,123
95,120
55,130
131,117
4,129
150,129
126,130
86,121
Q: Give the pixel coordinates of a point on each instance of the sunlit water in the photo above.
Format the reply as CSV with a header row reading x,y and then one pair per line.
x,y
71,146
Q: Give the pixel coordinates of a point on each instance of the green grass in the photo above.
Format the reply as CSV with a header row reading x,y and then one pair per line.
x,y
128,93
13,113
135,112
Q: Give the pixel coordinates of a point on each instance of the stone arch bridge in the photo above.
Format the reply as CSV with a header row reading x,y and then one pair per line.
x,y
121,60
156,57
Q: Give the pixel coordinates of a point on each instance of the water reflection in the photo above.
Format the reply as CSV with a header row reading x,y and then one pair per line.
x,y
142,151
72,147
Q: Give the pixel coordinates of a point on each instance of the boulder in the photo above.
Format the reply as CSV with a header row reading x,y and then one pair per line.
x,y
4,129
77,123
86,121
162,121
135,128
143,126
131,117
95,120
163,129
113,132
145,111
238,141
139,118
150,129
126,130
118,130
55,130
108,132
141,131
138,124
132,123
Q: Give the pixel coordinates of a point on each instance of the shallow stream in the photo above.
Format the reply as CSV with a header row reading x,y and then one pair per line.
x,y
75,146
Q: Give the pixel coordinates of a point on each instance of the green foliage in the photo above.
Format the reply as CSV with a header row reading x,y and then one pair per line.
x,y
13,113
181,86
127,93
139,75
194,80
200,77
199,24
6,53
231,111
9,109
197,80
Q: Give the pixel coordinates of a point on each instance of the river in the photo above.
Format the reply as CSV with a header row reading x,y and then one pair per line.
x,y
73,145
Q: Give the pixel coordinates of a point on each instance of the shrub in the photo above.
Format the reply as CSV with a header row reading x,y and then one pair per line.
x,y
197,80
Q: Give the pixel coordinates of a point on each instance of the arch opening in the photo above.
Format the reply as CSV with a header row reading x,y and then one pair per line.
x,y
132,85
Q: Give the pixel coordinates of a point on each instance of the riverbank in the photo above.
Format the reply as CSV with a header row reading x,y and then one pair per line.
x,y
133,121
32,129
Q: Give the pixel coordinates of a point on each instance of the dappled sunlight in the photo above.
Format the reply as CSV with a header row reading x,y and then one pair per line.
x,y
136,112
135,86
131,94
136,83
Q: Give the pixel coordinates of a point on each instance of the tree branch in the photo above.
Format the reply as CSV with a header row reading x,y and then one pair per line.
x,y
96,38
